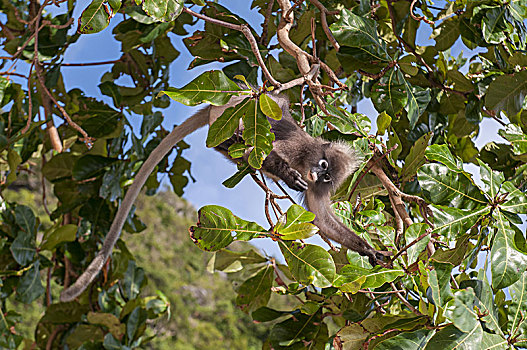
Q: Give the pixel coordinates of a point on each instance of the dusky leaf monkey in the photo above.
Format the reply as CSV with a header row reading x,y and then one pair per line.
x,y
312,165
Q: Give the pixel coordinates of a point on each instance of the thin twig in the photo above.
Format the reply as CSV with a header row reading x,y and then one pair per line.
x,y
265,24
247,33
419,18
323,19
428,231
89,63
405,302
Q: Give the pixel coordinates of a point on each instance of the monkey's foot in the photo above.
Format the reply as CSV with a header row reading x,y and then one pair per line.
x,y
295,181
379,258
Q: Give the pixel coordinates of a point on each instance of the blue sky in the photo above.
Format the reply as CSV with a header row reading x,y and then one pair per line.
x,y
208,167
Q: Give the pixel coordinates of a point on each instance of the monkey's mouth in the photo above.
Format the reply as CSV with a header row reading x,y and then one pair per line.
x,y
312,176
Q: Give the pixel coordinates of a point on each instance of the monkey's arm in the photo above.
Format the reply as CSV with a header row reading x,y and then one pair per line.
x,y
193,123
279,167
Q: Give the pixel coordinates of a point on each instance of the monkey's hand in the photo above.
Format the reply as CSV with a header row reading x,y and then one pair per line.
x,y
295,181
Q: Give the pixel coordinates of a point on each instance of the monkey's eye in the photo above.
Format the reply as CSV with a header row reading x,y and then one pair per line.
x,y
327,178
323,164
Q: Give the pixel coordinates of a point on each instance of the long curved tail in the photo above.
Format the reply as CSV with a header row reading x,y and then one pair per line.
x,y
193,123
332,228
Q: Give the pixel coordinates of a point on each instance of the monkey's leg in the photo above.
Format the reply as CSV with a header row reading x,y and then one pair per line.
x,y
277,166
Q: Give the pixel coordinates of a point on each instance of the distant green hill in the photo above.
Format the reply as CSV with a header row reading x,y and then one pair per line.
x,y
203,315
202,304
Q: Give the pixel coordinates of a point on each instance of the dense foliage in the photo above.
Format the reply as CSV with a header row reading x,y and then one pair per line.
x,y
457,273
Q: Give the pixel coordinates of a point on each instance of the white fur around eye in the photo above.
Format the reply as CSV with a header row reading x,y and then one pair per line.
x,y
323,163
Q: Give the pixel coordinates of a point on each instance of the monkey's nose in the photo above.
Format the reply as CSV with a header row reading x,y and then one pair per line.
x,y
312,176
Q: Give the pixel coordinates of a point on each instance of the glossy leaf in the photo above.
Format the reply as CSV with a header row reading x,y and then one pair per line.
x,y
90,166
450,338
225,126
217,227
516,200
163,10
96,16
441,153
23,248
518,306
460,310
269,107
507,261
407,340
346,122
210,87
413,232
507,92
453,222
66,233
231,261
257,133
352,278
296,224
491,179
255,292
29,286
445,187
309,264
516,137
416,157
439,281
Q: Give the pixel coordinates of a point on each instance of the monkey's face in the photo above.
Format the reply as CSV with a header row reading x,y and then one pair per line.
x,y
320,172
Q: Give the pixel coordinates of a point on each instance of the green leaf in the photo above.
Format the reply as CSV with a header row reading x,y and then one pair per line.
x,y
309,264
516,200
491,179
26,219
29,286
255,292
445,187
413,232
225,126
269,107
243,170
446,34
293,332
116,328
13,160
439,281
84,333
352,278
407,341
453,222
134,280
451,338
390,98
346,122
494,24
416,157
507,93
210,87
383,123
516,137
408,64
163,10
452,256
507,261
257,133
135,323
23,248
461,312
361,32
90,165
487,305
230,261
518,305
217,227
296,224
96,17
441,153
59,167
418,99
66,233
